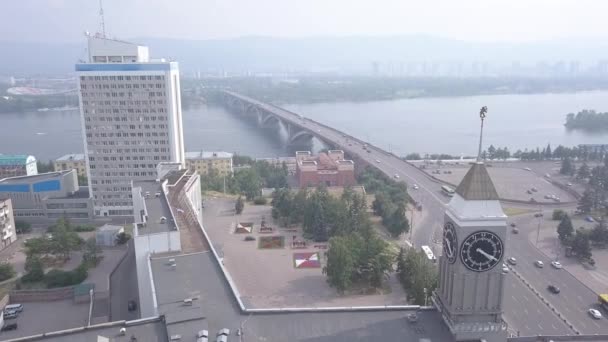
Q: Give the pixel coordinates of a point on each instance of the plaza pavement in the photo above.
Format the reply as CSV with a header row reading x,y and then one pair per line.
x,y
267,277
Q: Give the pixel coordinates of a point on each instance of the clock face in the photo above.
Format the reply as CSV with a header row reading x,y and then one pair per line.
x,y
450,242
481,251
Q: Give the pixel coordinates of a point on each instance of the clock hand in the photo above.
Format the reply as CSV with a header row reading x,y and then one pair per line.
x,y
450,252
481,251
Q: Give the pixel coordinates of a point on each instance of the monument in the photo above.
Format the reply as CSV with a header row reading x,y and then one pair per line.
x,y
471,282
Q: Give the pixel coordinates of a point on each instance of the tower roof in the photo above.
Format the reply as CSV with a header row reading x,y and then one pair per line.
x,y
477,185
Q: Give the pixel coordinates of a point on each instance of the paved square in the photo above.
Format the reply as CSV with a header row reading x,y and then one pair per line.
x,y
306,260
267,278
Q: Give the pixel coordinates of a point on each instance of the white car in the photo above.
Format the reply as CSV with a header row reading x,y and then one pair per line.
x,y
527,169
396,176
377,161
512,261
595,313
202,336
415,187
556,264
505,269
539,264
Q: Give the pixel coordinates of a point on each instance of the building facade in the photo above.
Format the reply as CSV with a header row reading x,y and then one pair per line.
x,y
47,197
17,165
7,223
330,169
71,161
131,118
204,163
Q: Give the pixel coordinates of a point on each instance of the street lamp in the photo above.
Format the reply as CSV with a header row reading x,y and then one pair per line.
x,y
540,217
425,296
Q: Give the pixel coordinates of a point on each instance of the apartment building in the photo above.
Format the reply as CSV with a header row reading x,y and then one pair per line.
x,y
71,162
17,165
219,163
7,223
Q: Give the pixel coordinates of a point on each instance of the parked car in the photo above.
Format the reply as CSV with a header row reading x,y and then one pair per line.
x,y
202,336
13,326
505,269
569,184
595,313
534,189
553,289
512,261
538,215
416,187
11,315
513,224
589,219
556,264
539,264
515,231
412,318
529,192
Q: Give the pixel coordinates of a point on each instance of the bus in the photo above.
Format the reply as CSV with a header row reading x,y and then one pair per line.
x,y
603,300
429,253
447,190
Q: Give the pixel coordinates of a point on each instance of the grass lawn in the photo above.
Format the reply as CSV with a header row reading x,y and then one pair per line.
x,y
517,211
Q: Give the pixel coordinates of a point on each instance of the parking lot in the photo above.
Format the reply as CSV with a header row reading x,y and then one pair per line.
x,y
39,317
267,277
511,181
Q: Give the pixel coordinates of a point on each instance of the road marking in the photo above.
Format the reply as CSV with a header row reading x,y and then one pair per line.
x,y
554,328
540,327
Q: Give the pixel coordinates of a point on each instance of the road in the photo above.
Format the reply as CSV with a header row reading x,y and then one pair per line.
x,y
575,298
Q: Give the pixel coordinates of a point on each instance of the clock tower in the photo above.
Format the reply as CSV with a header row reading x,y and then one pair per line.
x,y
471,282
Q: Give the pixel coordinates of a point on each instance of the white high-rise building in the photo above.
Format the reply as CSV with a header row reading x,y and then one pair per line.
x,y
131,120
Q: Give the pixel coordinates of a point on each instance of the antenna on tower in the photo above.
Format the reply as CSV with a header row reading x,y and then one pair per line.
x,y
102,19
482,116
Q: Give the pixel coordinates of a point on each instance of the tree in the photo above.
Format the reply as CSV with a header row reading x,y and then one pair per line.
x,y
565,229
122,238
239,205
566,168
249,183
417,275
315,223
491,152
22,227
580,245
91,252
583,172
585,203
397,222
34,269
599,233
379,203
548,153
340,263
7,271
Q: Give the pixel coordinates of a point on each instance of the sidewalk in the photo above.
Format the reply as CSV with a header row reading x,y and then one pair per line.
x,y
548,242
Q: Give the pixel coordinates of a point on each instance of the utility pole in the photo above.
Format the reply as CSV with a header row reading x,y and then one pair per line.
x,y
102,19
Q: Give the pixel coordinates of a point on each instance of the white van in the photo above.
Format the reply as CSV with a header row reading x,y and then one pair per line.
x,y
13,307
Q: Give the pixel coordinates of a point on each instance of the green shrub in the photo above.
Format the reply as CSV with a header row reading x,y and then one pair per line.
x,y
7,271
558,214
84,228
260,201
59,278
122,238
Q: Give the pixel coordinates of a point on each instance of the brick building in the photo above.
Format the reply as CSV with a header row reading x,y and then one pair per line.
x,y
328,168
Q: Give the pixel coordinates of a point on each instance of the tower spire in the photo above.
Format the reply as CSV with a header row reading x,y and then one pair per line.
x,y
102,19
482,116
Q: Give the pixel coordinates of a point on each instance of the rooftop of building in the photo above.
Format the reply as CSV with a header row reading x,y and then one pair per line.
x,y
109,227
156,208
34,178
16,159
149,330
325,161
477,185
71,157
208,155
213,308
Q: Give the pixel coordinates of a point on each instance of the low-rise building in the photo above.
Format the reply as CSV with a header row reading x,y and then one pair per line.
x,y
289,162
17,165
330,169
71,161
7,223
204,162
47,196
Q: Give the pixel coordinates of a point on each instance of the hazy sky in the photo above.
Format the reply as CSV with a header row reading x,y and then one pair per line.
x,y
481,20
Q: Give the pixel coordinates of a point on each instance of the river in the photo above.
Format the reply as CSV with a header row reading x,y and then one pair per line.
x,y
426,125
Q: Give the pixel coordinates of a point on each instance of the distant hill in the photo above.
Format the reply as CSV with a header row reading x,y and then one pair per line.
x,y
356,53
